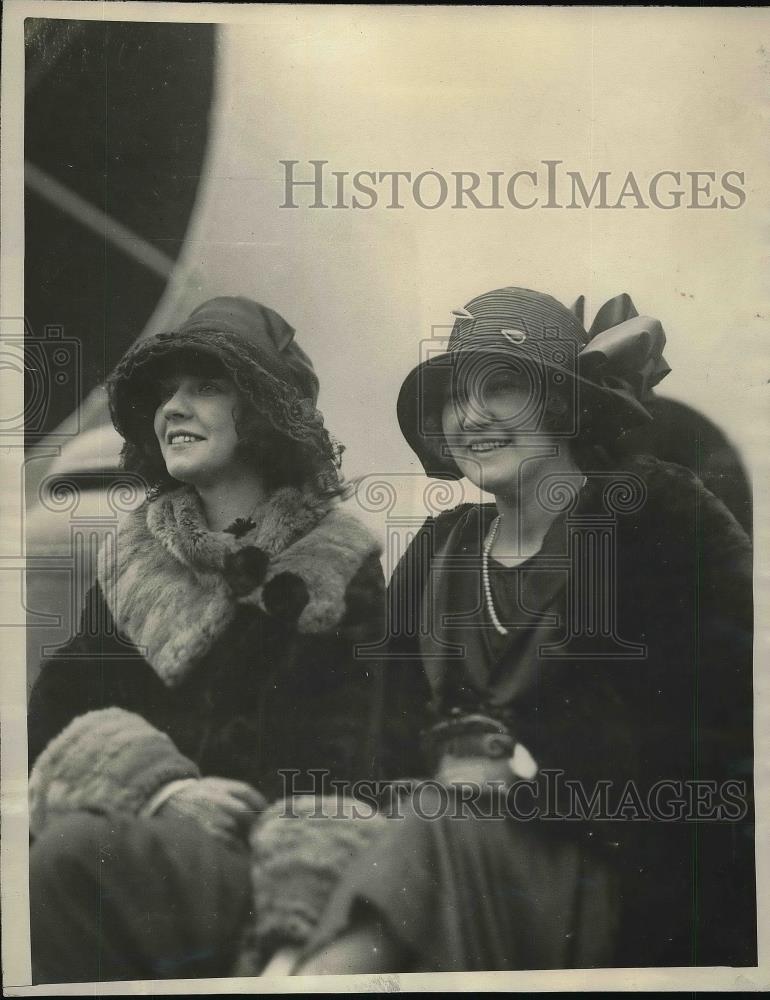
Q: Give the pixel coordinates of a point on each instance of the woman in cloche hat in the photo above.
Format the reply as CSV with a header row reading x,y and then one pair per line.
x,y
572,662
216,648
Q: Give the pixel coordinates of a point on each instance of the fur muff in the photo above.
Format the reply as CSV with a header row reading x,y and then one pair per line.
x,y
104,761
299,851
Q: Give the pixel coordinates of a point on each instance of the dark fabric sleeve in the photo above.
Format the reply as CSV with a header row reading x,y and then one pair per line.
x,y
363,630
725,849
705,608
93,744
406,702
336,695
690,710
357,705
96,669
68,682
682,710
725,653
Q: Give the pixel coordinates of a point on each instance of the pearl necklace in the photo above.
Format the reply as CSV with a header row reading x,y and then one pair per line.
x,y
490,541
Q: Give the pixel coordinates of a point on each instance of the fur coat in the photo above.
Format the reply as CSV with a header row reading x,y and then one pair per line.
x,y
211,653
681,580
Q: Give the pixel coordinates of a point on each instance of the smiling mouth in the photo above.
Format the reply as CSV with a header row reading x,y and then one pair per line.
x,y
490,445
183,437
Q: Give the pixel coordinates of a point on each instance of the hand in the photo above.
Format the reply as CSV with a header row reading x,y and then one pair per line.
x,y
225,808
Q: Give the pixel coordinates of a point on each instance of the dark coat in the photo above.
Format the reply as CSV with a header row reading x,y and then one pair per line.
x,y
682,712
248,665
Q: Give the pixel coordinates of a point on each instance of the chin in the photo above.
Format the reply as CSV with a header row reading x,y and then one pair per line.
x,y
499,487
491,480
493,484
183,473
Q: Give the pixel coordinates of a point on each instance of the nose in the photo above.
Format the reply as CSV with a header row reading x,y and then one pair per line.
x,y
472,414
177,405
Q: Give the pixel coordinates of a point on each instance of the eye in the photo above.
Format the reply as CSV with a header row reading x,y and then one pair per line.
x,y
501,381
165,390
211,386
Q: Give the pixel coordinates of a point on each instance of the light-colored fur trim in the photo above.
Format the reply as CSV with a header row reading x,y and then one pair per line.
x,y
326,559
165,587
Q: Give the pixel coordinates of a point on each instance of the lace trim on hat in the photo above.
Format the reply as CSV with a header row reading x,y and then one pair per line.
x,y
274,398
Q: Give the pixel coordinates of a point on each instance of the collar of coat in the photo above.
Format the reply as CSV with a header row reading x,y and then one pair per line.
x,y
163,580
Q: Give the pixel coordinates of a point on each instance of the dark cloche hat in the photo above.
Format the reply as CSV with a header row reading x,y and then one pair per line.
x,y
250,342
609,369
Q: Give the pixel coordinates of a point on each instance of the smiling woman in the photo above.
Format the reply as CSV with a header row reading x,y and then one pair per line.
x,y
232,602
587,632
485,430
196,429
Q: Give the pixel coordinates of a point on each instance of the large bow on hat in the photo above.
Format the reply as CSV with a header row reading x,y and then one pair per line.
x,y
624,351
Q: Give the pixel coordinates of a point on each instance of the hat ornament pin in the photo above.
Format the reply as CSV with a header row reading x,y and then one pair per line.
x,y
614,365
514,336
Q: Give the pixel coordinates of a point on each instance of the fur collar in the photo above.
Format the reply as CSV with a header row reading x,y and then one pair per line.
x,y
673,501
164,585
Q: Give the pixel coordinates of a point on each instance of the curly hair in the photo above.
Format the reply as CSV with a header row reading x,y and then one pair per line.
x,y
304,455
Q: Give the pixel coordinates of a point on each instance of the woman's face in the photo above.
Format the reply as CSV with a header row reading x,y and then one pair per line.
x,y
493,438
195,427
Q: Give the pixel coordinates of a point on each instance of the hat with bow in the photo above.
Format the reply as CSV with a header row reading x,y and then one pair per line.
x,y
606,373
